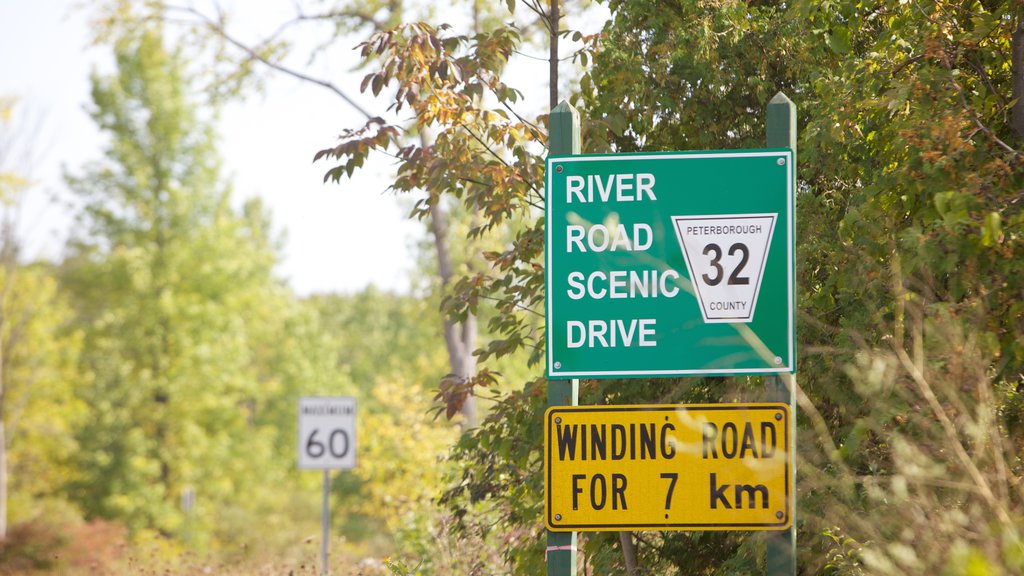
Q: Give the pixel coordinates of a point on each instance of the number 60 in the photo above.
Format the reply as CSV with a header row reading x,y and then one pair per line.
x,y
315,448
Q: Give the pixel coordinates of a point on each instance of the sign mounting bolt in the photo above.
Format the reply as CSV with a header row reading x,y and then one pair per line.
x,y
558,168
778,359
559,516
558,365
558,420
779,515
780,162
778,415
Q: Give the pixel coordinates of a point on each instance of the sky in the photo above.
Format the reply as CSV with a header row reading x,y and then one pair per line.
x,y
337,237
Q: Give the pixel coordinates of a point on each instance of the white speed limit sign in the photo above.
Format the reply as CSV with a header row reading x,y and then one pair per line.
x,y
327,432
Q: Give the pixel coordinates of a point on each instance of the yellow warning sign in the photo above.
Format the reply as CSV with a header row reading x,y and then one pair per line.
x,y
675,467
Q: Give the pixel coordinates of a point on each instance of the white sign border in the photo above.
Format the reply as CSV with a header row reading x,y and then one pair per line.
x,y
353,440
789,363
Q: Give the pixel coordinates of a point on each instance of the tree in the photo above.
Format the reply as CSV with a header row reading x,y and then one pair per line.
x,y
907,210
460,330
460,336
910,223
36,356
11,185
390,347
172,290
486,157
909,205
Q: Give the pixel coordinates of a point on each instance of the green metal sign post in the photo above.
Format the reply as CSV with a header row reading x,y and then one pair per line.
x,y
563,139
672,264
781,132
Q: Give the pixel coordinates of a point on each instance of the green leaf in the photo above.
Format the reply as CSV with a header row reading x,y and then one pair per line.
x,y
992,229
839,40
982,24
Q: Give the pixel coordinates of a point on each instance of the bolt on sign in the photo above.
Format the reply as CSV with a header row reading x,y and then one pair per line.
x,y
674,467
670,264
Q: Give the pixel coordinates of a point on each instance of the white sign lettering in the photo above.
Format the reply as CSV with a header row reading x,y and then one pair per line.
x,y
613,187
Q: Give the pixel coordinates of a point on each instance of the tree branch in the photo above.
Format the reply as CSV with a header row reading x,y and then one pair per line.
x,y
954,439
495,154
1017,68
218,28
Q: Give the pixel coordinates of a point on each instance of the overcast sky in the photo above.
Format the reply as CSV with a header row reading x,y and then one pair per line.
x,y
338,237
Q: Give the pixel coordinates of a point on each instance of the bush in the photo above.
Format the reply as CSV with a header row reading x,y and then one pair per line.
x,y
43,545
928,480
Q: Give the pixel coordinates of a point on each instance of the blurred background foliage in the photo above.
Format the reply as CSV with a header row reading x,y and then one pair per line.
x,y
162,355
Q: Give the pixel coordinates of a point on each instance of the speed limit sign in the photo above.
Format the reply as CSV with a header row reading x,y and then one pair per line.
x,y
327,432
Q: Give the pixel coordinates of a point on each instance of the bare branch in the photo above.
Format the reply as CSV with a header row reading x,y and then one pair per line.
x,y
533,127
340,14
218,28
491,185
899,67
536,9
518,306
954,439
1017,69
495,154
974,116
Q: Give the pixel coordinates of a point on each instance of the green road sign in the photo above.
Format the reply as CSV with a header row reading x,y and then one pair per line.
x,y
670,264
668,467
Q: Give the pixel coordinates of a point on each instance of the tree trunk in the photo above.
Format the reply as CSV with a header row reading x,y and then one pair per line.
x,y
3,405
9,257
3,479
1017,67
553,24
459,339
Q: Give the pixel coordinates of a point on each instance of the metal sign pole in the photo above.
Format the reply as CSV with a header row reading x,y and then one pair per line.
x,y
781,133
563,138
327,440
325,520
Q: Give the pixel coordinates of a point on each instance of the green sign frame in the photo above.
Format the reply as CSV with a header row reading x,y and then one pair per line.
x,y
670,264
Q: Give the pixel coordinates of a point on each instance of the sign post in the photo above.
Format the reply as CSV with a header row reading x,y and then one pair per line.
x,y
326,441
780,131
563,138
